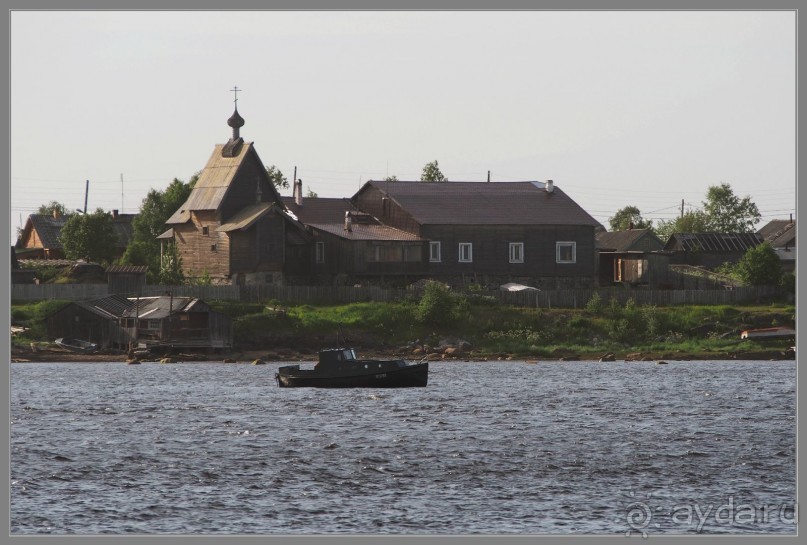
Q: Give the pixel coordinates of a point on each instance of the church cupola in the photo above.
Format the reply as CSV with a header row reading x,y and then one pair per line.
x,y
233,146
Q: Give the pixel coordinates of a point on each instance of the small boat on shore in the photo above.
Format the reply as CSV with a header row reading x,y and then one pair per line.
x,y
76,345
340,368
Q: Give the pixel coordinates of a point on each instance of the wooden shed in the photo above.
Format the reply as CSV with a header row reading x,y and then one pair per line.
x,y
126,280
709,250
94,321
176,322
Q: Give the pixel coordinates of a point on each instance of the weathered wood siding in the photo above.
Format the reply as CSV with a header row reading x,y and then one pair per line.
x,y
79,323
491,250
201,252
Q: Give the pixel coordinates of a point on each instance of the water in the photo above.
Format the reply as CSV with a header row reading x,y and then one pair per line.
x,y
493,448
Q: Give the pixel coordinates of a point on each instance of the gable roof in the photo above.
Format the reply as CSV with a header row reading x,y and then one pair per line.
x,y
484,203
47,227
214,181
713,242
161,306
779,233
623,241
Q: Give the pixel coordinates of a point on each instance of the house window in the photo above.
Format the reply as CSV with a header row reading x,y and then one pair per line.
x,y
153,324
566,252
434,252
466,252
212,247
320,252
205,230
516,252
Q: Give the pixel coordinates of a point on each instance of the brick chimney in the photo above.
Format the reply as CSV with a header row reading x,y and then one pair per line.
x,y
114,214
348,221
56,213
298,192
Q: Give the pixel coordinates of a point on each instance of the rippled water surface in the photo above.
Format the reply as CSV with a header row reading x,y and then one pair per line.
x,y
496,448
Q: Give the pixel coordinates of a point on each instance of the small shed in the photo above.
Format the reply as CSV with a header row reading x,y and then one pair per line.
x,y
176,322
94,321
126,280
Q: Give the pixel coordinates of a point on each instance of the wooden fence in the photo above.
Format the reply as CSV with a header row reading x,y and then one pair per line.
x,y
329,295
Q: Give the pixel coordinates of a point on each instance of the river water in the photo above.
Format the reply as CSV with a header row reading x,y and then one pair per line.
x,y
491,448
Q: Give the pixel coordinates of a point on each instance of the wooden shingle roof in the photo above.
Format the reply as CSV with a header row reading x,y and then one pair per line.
x,y
366,232
483,203
215,180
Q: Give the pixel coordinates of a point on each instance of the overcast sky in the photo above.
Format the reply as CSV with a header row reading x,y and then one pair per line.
x,y
618,108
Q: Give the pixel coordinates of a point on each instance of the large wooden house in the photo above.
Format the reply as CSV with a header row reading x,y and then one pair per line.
x,y
350,246
233,226
483,232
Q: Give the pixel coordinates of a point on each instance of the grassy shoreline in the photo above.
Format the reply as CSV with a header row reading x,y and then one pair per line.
x,y
469,328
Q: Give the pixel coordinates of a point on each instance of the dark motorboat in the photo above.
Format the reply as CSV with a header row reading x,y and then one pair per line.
x,y
76,345
340,368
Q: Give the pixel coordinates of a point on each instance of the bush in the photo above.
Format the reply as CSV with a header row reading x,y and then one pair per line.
x,y
760,266
594,304
438,306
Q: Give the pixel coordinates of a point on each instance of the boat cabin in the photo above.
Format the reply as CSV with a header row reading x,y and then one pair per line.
x,y
335,356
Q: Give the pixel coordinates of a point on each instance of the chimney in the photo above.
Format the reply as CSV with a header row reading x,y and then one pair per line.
x,y
630,226
56,213
114,214
550,186
348,221
298,192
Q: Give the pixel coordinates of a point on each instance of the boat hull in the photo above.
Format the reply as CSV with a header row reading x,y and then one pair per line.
x,y
75,345
410,376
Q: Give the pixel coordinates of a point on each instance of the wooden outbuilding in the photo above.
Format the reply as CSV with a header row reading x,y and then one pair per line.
x,y
709,250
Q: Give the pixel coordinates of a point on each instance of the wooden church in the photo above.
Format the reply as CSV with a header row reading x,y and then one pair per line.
x,y
234,227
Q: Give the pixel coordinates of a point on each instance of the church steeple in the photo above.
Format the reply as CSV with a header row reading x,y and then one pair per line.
x,y
233,146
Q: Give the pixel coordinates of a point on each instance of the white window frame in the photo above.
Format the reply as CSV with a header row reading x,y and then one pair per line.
x,y
470,246
517,247
565,243
320,252
432,246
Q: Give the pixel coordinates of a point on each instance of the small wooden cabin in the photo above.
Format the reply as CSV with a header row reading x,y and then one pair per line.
x,y
709,250
178,322
94,321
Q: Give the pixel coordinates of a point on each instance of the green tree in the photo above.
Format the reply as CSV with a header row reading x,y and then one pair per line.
x,y
89,236
431,173
392,178
693,221
727,213
48,209
277,178
760,266
311,194
622,220
156,208
171,266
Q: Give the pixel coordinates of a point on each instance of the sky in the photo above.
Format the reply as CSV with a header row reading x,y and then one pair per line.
x,y
618,108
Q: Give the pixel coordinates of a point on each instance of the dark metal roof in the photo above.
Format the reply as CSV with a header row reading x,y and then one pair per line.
x,y
134,269
112,306
158,307
483,203
319,210
366,232
779,233
713,242
623,241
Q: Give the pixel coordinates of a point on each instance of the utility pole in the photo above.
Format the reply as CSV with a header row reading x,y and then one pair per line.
x,y
295,176
682,208
121,192
488,176
86,194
